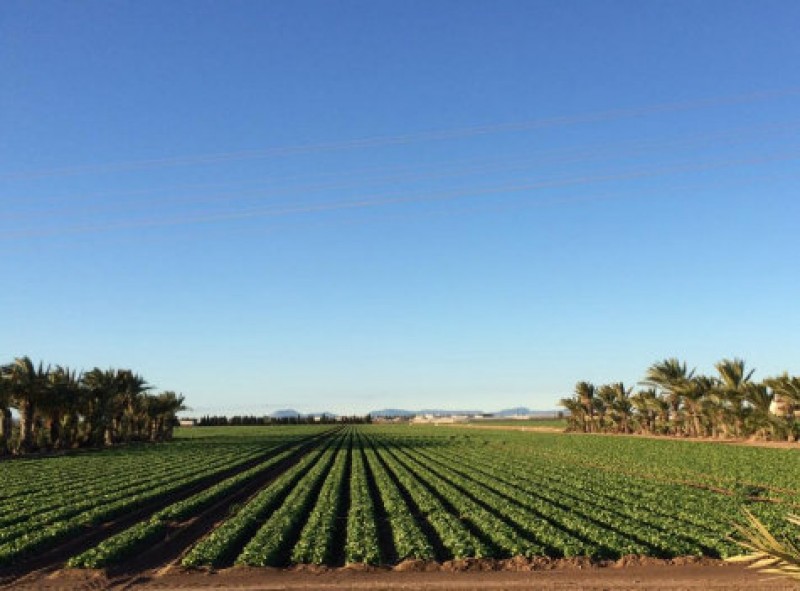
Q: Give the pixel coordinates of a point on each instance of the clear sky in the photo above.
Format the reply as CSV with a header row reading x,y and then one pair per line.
x,y
346,206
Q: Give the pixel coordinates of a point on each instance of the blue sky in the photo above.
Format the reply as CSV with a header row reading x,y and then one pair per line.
x,y
346,206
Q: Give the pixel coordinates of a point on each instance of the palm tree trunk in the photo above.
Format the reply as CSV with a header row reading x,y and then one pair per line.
x,y
722,421
69,430
116,430
674,416
108,435
698,428
157,429
55,429
26,417
169,427
5,430
97,433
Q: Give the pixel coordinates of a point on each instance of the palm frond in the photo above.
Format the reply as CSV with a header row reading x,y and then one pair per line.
x,y
766,553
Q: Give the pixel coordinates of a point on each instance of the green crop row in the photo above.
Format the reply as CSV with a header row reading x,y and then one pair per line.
x,y
218,547
33,478
362,545
407,537
117,478
72,518
50,528
453,533
656,519
134,538
271,540
315,545
606,537
731,467
26,485
63,506
608,509
428,493
536,518
506,539
121,545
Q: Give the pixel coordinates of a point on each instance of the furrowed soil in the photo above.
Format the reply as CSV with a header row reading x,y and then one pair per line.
x,y
465,575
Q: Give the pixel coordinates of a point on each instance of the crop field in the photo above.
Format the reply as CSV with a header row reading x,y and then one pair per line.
x,y
277,496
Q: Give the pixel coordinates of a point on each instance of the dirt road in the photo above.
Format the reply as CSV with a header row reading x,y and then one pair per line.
x,y
691,577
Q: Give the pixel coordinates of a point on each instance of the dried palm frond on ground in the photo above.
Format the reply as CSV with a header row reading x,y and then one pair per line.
x,y
767,554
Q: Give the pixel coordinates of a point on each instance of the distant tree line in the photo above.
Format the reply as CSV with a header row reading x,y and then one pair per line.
x,y
61,408
677,401
217,421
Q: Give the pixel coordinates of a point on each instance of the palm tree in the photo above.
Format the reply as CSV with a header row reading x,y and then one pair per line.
x,y
716,408
60,403
622,407
135,418
694,393
584,391
603,401
642,403
670,375
28,385
5,415
680,402
131,387
758,419
75,409
786,399
576,420
616,407
732,386
172,404
101,389
60,408
162,410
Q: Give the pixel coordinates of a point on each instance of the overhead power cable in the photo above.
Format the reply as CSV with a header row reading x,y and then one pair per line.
x,y
354,179
388,140
400,198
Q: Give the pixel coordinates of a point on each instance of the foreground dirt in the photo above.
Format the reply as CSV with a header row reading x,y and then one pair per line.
x,y
457,576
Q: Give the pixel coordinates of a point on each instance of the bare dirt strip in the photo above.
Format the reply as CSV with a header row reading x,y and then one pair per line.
x,y
705,576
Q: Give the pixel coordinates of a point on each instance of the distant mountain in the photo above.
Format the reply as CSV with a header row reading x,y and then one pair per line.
x,y
508,412
512,412
289,413
392,412
398,412
523,410
439,412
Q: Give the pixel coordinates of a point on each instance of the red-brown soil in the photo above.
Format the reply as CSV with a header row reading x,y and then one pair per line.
x,y
630,573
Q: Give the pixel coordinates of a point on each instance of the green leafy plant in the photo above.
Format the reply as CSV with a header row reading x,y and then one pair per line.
x,y
767,553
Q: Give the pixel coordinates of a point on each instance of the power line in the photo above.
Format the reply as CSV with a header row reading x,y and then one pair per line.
x,y
387,140
575,154
404,198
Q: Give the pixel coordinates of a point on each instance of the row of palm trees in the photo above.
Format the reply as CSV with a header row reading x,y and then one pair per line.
x,y
673,400
252,420
60,408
